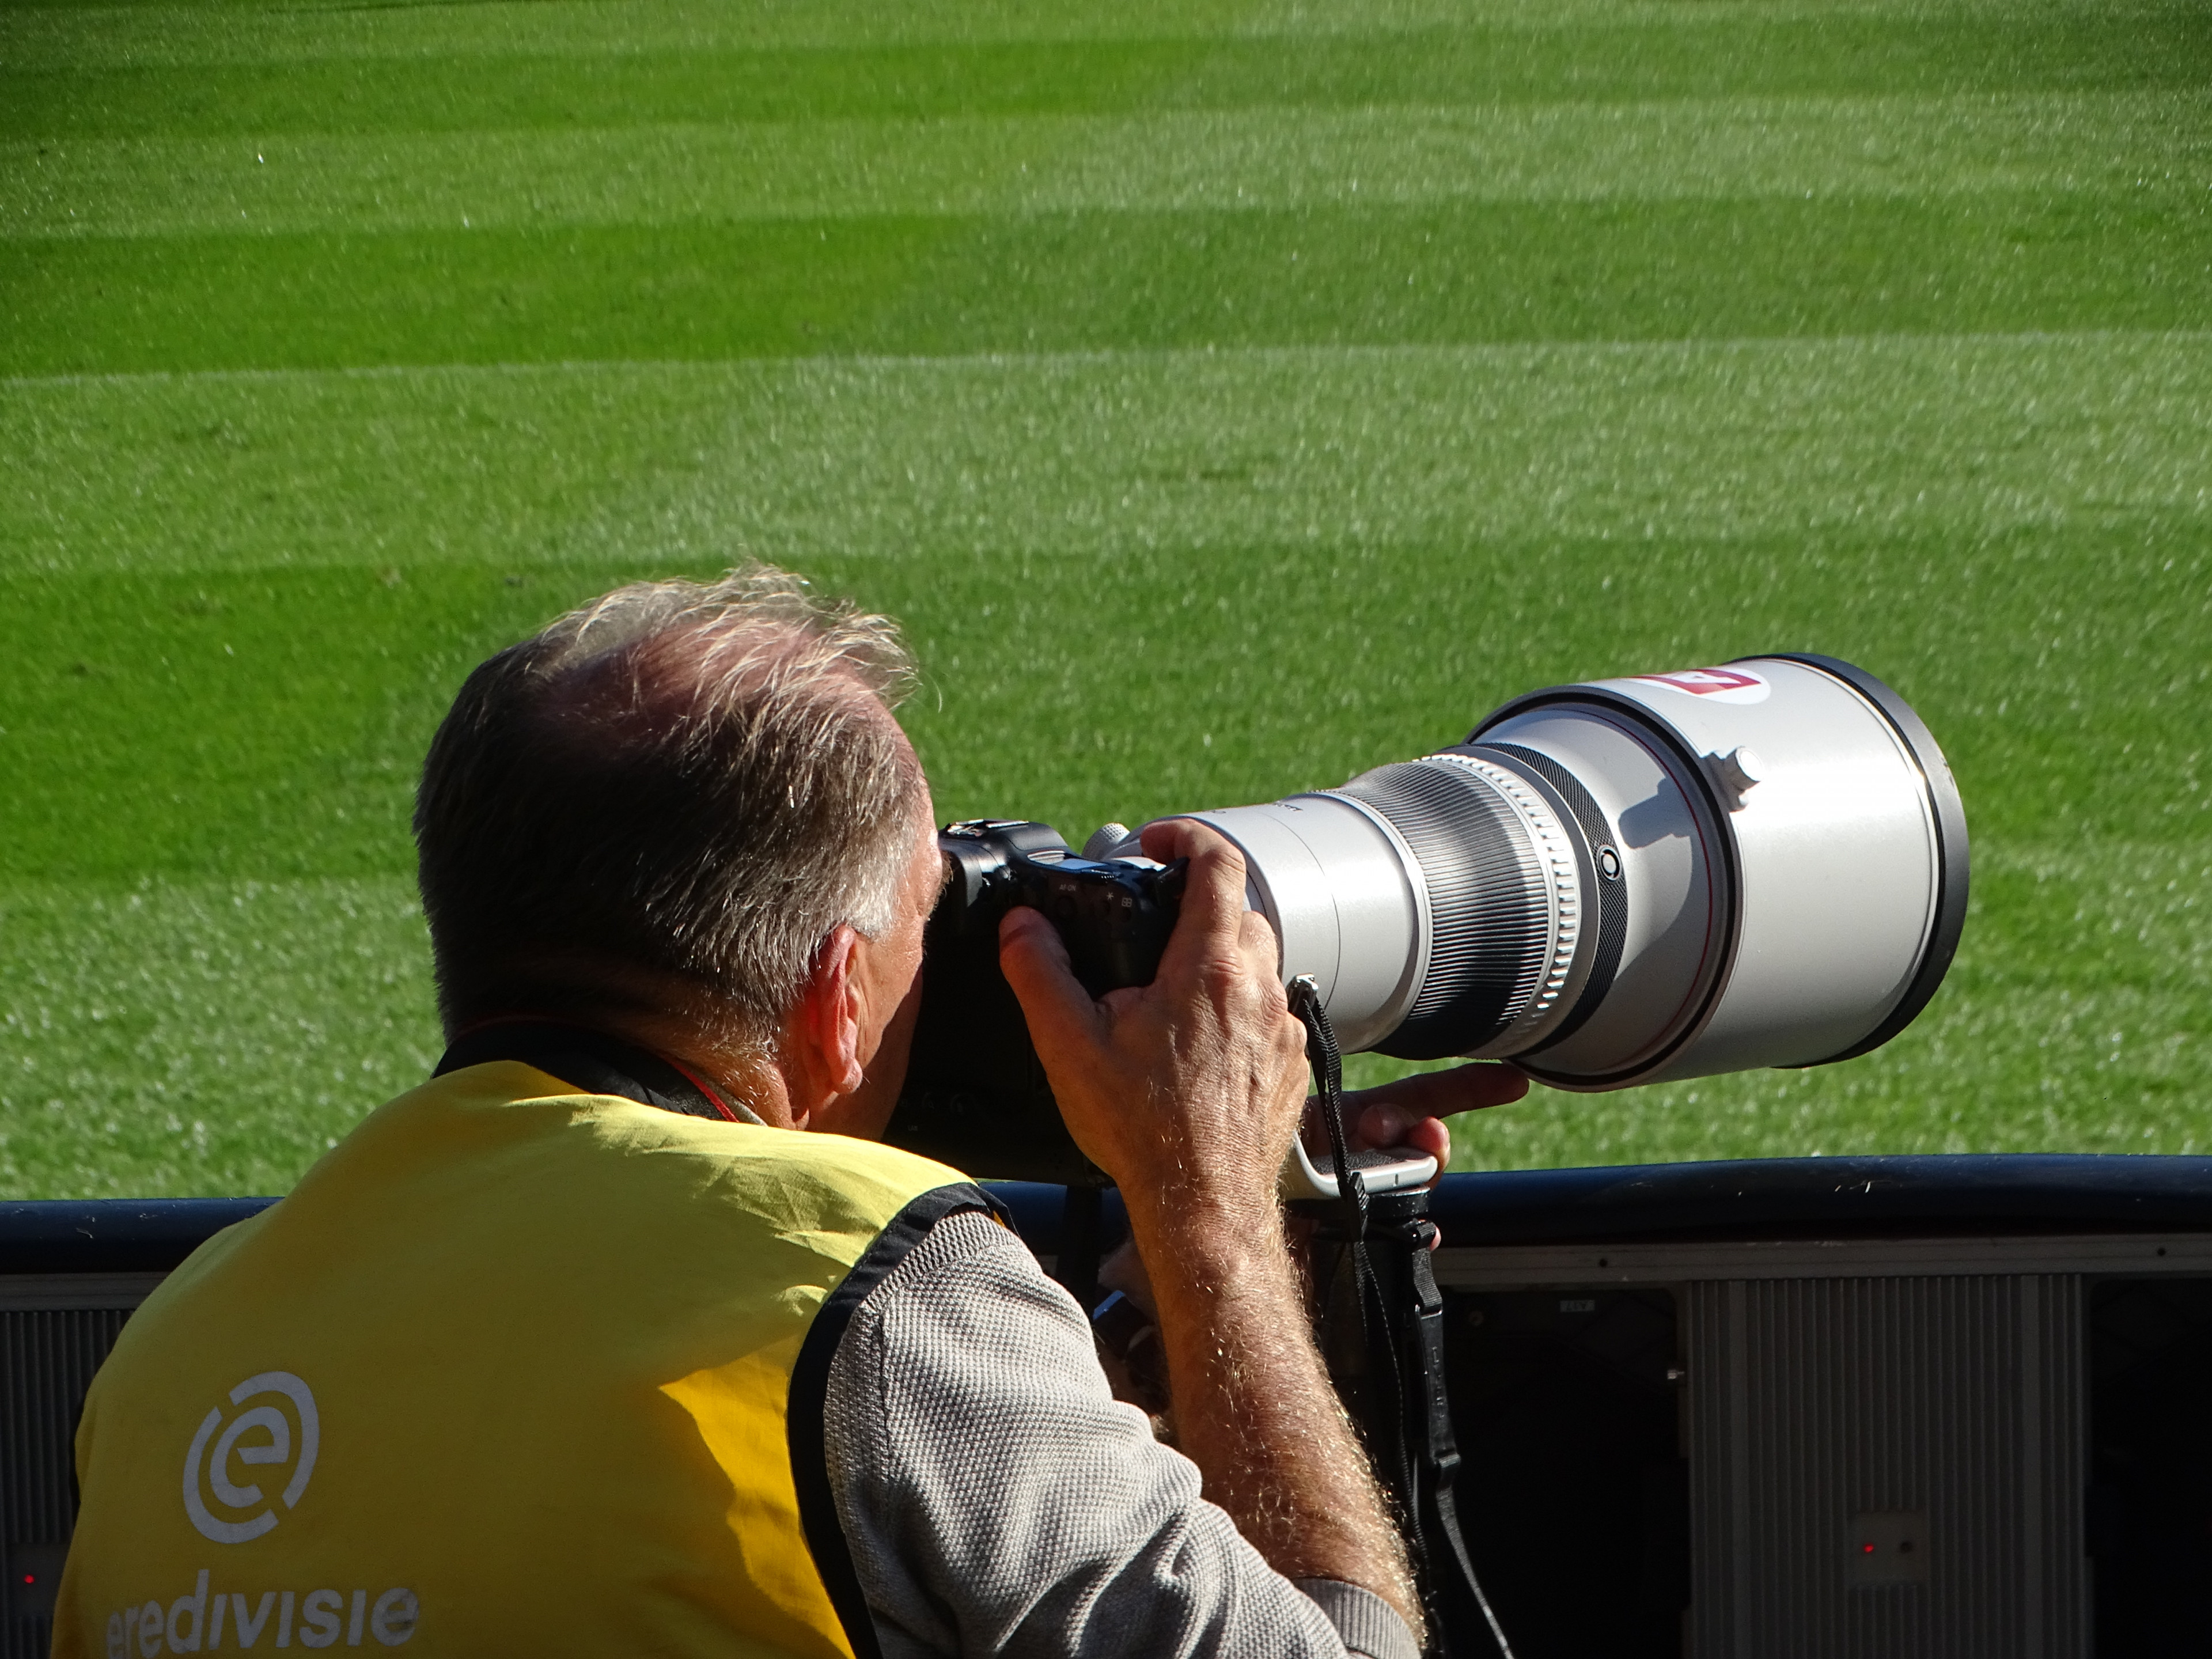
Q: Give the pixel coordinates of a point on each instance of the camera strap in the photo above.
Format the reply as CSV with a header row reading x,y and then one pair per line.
x,y
1409,1430
1328,1063
591,1062
1418,1328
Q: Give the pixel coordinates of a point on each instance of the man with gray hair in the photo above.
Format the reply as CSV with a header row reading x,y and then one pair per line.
x,y
587,1345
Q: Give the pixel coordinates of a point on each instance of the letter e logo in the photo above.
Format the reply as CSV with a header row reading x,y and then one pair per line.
x,y
264,1434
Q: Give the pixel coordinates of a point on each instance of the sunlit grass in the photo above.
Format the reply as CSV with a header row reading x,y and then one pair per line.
x,y
1229,397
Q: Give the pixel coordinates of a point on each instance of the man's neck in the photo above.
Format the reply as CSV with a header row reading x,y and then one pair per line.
x,y
735,1082
746,1080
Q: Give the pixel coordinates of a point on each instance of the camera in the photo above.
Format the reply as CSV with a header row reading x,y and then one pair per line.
x,y
1612,882
1115,916
976,1095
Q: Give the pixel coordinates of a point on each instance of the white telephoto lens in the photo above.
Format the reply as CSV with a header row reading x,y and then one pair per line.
x,y
1832,847
1628,880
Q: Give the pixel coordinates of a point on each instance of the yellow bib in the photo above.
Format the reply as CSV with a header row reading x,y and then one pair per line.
x,y
508,1372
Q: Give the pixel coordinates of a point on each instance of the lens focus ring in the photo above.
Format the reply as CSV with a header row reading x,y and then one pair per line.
x,y
1555,854
1505,900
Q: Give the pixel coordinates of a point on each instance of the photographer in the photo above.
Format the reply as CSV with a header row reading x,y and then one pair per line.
x,y
580,1348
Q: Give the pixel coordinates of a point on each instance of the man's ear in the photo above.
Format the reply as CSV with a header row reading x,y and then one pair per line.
x,y
822,1060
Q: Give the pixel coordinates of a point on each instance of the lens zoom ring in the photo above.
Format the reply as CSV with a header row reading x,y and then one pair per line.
x,y
1612,895
1489,924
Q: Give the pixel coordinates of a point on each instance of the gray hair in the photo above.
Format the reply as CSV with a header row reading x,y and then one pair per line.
x,y
686,781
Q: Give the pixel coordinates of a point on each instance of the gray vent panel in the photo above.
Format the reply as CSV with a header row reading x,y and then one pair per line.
x,y
1817,1400
47,1359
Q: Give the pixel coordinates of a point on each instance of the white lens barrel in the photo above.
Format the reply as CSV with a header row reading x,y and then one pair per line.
x,y
1789,822
1437,904
1344,893
1630,880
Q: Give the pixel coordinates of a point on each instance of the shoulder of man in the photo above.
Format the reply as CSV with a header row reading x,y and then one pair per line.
x,y
504,1133
989,1494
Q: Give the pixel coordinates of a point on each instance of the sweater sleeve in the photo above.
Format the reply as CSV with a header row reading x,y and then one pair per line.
x,y
998,1500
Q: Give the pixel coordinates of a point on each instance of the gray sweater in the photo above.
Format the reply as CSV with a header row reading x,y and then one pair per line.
x,y
997,1500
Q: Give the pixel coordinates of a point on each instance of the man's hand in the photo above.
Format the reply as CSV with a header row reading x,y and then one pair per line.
x,y
1194,1083
1187,1092
1408,1112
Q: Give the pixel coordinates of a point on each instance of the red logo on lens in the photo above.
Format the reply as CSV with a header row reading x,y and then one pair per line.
x,y
1703,682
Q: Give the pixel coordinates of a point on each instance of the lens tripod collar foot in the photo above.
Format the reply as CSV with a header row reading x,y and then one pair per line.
x,y
1388,1170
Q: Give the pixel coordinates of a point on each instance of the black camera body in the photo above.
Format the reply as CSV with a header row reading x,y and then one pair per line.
x,y
975,1095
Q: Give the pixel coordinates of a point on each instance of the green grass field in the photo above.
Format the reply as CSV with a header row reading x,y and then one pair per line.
x,y
1229,395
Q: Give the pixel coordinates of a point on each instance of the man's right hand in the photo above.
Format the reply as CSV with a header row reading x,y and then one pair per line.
x,y
1187,1091
1192,1086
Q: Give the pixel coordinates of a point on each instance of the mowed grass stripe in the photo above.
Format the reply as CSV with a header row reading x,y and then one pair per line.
x,y
205,1038
1994,261
1956,440
73,87
1332,560
271,725
166,36
214,1037
1246,161
202,1038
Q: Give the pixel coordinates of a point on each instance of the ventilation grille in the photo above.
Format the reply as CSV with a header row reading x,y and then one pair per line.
x,y
47,1359
1957,1398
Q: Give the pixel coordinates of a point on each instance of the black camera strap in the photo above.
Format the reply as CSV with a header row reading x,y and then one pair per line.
x,y
589,1060
1409,1428
1419,1330
1328,1063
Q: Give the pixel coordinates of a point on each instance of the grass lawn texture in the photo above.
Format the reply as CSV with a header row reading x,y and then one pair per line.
x,y
1229,397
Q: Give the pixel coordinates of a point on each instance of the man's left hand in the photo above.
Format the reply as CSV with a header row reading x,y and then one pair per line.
x,y
1409,1112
